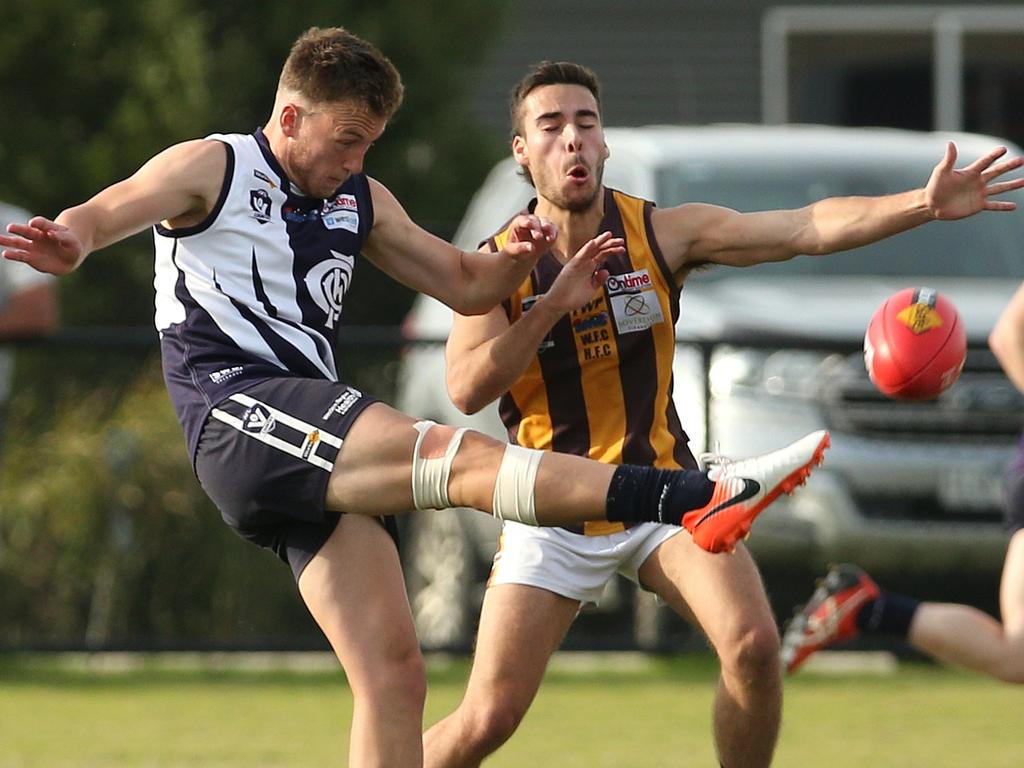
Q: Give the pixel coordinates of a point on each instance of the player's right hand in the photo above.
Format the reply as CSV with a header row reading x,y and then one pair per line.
x,y
44,245
530,237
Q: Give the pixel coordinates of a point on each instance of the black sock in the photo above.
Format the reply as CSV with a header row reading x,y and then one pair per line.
x,y
646,494
888,614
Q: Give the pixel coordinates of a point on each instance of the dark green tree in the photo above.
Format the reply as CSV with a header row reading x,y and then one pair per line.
x,y
92,90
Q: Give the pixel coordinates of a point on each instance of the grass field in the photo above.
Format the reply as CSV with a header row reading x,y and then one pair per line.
x,y
621,712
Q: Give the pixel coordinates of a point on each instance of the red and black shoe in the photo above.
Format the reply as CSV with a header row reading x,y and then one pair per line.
x,y
830,616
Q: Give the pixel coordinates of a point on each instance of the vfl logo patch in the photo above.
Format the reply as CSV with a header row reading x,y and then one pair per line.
x,y
327,283
259,201
258,420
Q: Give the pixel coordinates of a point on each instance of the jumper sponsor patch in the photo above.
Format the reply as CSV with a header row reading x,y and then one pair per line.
x,y
263,177
341,213
921,315
634,301
592,329
291,213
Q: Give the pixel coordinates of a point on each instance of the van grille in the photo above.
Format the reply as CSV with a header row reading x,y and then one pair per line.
x,y
981,406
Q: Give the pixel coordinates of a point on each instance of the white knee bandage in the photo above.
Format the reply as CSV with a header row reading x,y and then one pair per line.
x,y
430,476
515,485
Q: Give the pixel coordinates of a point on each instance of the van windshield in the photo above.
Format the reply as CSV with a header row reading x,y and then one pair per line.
x,y
986,245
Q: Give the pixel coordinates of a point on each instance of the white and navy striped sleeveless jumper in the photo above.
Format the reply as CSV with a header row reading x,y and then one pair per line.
x,y
255,291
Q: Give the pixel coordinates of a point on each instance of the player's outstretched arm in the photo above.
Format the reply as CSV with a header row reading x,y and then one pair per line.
x,y
182,181
704,234
486,355
469,282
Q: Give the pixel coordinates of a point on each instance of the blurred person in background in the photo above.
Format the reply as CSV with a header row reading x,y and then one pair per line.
x,y
586,367
28,309
848,602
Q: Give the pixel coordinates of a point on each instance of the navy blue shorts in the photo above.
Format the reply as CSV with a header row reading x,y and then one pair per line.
x,y
265,456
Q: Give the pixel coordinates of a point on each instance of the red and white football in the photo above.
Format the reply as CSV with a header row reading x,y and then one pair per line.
x,y
915,345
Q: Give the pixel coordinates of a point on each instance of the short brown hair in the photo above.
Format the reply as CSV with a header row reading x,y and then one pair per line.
x,y
332,65
550,73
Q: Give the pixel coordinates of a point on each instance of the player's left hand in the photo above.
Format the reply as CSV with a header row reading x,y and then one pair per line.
x,y
584,273
955,194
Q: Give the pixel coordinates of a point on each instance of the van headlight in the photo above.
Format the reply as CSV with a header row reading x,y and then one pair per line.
x,y
778,373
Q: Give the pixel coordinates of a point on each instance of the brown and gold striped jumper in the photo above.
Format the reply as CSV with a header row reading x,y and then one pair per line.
x,y
600,384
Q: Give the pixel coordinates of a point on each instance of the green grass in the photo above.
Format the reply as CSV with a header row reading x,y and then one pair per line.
x,y
657,714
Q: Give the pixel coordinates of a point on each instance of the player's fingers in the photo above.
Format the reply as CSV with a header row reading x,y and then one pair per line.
x,y
949,159
999,170
16,254
1004,186
985,161
1000,205
46,225
27,231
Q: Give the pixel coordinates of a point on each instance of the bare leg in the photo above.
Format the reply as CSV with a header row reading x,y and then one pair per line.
x,y
960,634
520,627
353,587
373,473
725,597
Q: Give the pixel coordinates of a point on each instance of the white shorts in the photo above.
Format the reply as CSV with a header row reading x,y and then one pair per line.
x,y
571,564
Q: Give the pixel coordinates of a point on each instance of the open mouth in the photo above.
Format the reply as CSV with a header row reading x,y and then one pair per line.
x,y
578,173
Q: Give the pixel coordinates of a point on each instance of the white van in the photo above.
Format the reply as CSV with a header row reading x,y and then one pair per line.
x,y
908,487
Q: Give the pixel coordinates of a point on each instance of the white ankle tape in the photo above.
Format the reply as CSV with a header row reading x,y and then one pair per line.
x,y
514,488
430,476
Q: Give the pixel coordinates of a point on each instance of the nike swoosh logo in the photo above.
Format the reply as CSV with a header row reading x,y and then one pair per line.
x,y
750,489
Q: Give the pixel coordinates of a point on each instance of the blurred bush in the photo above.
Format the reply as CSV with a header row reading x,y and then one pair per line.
x,y
106,538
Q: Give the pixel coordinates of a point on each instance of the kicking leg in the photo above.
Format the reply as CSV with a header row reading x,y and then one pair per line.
x,y
520,627
353,587
388,465
725,597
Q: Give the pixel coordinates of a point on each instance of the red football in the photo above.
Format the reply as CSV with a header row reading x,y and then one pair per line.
x,y
915,345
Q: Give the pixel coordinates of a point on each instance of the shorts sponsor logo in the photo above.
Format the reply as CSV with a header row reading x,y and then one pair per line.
x,y
258,419
311,442
343,402
224,374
